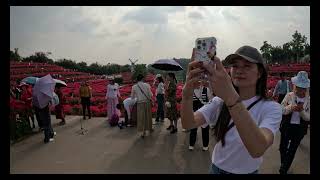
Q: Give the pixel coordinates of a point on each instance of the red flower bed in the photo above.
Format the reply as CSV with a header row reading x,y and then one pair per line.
x,y
17,105
98,108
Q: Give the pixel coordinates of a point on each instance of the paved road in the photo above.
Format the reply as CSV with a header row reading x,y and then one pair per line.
x,y
107,149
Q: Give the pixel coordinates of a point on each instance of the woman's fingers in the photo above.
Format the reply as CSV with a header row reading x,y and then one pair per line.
x,y
193,54
215,67
209,67
194,64
218,63
194,82
195,73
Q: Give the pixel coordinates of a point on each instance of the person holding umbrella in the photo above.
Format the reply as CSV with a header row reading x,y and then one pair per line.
x,y
170,65
32,81
42,95
172,112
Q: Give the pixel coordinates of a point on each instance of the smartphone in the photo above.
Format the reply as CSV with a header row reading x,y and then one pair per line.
x,y
205,48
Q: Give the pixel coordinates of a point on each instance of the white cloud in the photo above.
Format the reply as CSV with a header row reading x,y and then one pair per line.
x,y
195,15
148,33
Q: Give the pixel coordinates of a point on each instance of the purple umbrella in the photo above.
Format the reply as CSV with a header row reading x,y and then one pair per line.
x,y
167,65
43,91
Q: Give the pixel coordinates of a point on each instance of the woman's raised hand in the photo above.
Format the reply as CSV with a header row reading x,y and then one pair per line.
x,y
194,72
220,81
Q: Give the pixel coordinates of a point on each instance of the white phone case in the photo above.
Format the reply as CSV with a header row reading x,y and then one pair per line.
x,y
203,46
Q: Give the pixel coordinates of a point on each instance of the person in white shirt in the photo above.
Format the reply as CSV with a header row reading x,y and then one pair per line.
x,y
155,81
242,135
112,97
201,96
160,100
295,119
128,105
142,91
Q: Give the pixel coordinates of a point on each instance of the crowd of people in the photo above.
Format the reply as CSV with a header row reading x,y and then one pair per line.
x,y
244,120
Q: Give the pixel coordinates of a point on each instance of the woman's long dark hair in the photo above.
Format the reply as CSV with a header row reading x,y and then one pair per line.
x,y
223,121
173,76
160,79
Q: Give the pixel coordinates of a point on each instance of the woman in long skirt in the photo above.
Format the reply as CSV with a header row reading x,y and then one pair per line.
x,y
112,97
143,93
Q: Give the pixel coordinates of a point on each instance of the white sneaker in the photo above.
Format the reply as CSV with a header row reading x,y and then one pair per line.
x,y
184,130
205,148
54,133
51,139
190,148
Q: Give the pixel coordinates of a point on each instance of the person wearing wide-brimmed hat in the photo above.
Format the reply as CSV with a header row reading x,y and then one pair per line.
x,y
246,121
295,119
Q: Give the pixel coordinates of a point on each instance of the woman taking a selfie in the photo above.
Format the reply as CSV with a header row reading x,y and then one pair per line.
x,y
246,122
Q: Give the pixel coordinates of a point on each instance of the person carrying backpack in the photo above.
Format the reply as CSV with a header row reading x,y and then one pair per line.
x,y
201,97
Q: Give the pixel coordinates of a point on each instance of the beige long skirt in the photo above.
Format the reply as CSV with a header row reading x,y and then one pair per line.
x,y
144,116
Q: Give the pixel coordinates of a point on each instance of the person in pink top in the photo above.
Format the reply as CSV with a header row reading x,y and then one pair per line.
x,y
112,97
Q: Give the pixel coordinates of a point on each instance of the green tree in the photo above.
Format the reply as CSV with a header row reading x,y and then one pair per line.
x,y
306,49
67,63
14,55
297,44
125,68
112,69
277,54
139,69
82,66
266,51
95,68
39,57
288,53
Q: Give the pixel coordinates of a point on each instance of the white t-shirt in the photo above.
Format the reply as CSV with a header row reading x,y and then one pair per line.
x,y
160,88
295,118
234,157
129,102
137,93
112,91
198,93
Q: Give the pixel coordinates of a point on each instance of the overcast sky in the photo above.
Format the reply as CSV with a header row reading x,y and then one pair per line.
x,y
115,34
